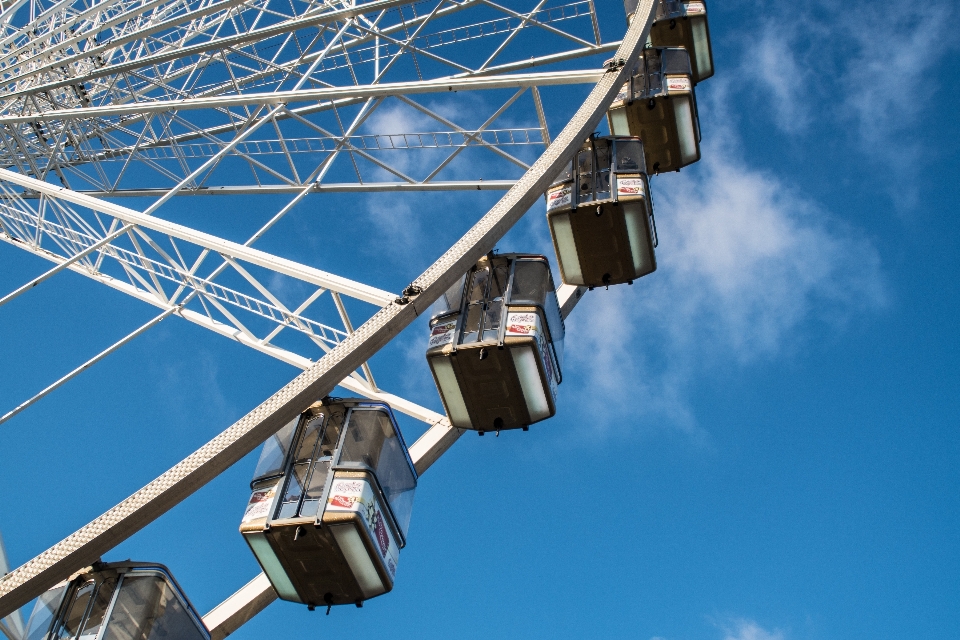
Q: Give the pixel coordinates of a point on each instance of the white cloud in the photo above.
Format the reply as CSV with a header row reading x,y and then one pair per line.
x,y
890,83
749,630
872,64
771,61
395,228
746,263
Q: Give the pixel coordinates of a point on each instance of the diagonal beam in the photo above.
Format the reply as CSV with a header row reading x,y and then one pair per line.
x,y
182,480
258,594
213,243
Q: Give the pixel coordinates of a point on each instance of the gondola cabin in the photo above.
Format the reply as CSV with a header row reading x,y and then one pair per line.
x,y
331,502
658,105
116,601
601,216
496,344
682,23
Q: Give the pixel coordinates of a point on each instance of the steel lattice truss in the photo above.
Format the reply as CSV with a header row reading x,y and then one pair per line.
x,y
178,98
127,96
166,98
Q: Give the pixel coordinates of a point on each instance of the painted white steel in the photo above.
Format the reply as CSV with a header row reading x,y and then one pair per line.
x,y
12,625
196,470
326,187
519,81
225,247
258,594
236,610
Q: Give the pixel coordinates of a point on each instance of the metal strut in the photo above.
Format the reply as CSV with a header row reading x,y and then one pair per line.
x,y
122,521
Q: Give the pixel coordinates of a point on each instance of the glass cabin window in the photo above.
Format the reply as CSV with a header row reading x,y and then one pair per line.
x,y
43,612
601,149
551,309
148,608
629,156
487,285
373,440
98,608
585,175
676,61
652,81
450,300
70,624
531,281
321,467
309,467
274,452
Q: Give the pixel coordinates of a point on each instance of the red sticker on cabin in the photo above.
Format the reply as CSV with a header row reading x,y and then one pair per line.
x,y
342,501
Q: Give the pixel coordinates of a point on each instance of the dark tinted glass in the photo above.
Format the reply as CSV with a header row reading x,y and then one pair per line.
x,y
585,171
478,284
147,608
311,433
98,608
70,624
629,155
498,283
450,300
275,452
652,80
676,61
531,281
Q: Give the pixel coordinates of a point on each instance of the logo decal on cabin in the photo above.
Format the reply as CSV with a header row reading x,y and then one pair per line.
x,y
342,501
681,83
523,324
442,334
559,198
630,187
259,504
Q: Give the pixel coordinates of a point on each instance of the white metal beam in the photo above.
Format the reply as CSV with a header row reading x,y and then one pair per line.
x,y
186,477
439,85
308,19
12,625
290,268
258,594
325,187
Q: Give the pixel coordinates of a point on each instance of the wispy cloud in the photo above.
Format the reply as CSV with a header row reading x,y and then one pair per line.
x,y
773,62
888,81
742,629
869,64
747,264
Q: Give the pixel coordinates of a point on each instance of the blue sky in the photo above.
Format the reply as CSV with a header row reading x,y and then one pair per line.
x,y
757,442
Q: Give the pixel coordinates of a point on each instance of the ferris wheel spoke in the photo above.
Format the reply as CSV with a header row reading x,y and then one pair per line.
x,y
182,480
157,149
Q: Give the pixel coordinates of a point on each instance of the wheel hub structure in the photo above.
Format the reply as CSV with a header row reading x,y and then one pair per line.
x,y
116,115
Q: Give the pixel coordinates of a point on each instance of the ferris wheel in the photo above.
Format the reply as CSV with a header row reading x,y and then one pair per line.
x,y
106,105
